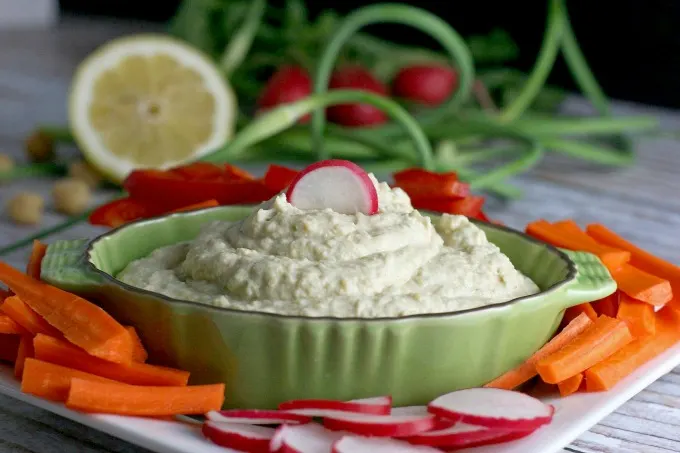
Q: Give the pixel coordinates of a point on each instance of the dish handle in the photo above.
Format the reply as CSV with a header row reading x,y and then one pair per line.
x,y
65,266
593,280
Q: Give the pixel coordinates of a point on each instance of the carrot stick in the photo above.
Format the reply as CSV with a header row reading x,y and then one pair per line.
x,y
35,261
572,313
139,353
557,236
570,385
9,326
607,373
602,339
51,381
24,352
60,352
23,315
82,323
9,347
196,206
643,286
607,306
639,258
4,294
639,316
527,369
115,398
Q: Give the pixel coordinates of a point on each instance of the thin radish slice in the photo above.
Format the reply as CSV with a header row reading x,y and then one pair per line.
x,y
440,423
355,444
460,435
493,408
310,438
254,439
257,417
334,184
381,425
381,405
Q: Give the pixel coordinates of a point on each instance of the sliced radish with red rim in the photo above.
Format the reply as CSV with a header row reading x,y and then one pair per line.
x,y
355,444
381,425
440,423
310,438
254,439
381,405
462,435
493,408
257,417
339,185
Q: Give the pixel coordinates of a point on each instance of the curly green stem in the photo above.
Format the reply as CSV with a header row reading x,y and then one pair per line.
x,y
400,14
239,45
38,169
283,117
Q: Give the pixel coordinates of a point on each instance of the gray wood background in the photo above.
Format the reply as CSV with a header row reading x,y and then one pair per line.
x,y
641,202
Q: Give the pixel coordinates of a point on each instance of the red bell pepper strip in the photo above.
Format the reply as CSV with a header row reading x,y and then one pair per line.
x,y
278,178
119,212
198,171
470,206
421,183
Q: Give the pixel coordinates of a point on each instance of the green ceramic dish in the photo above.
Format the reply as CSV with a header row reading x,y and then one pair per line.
x,y
265,359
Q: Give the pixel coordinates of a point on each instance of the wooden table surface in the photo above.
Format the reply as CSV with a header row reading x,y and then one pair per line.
x,y
641,202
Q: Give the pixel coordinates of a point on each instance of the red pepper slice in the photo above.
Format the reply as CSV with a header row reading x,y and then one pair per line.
x,y
167,193
233,172
469,207
198,171
278,178
119,212
421,183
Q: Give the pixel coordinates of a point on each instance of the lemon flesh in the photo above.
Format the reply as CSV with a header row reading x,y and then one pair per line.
x,y
149,102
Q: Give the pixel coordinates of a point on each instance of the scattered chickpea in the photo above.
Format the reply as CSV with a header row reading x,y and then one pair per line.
x,y
26,208
40,147
82,171
6,165
71,196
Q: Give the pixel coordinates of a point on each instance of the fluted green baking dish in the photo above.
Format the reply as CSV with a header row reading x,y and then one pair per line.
x,y
265,359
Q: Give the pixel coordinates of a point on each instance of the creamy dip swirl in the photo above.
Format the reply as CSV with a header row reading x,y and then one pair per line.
x,y
285,260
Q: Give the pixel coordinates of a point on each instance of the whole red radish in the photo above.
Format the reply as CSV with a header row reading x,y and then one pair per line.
x,y
425,84
356,115
288,84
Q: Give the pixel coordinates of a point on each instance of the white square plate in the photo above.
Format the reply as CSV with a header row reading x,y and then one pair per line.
x,y
573,415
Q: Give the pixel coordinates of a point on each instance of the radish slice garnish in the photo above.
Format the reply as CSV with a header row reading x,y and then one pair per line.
x,y
440,423
334,184
493,408
254,439
381,425
462,435
257,417
355,444
381,405
310,438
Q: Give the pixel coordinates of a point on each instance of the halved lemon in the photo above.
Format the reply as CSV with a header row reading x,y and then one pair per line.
x,y
149,101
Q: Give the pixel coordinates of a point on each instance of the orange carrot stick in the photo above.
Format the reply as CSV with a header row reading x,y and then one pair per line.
x,y
139,353
51,381
9,326
23,315
607,373
35,261
9,347
115,398
82,323
572,313
643,286
607,306
570,385
4,294
555,235
24,352
638,315
196,206
602,339
60,352
640,258
527,369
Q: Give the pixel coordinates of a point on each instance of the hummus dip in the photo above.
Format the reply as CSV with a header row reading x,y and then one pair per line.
x,y
284,260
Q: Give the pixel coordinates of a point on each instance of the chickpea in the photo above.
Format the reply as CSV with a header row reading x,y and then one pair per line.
x,y
26,208
6,165
82,171
71,196
40,147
